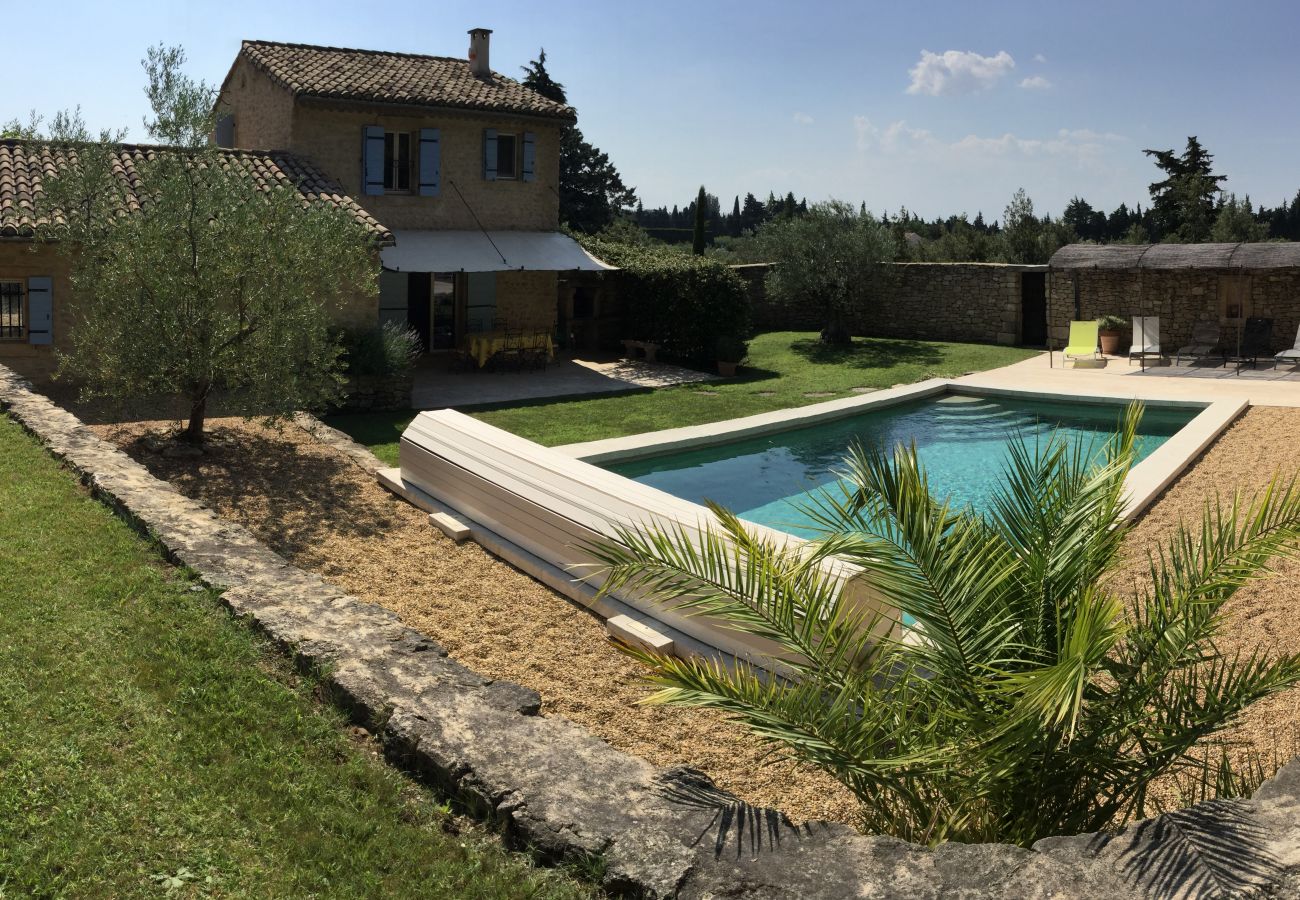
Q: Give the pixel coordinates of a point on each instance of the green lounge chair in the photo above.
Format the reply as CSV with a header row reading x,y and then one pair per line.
x,y
1083,340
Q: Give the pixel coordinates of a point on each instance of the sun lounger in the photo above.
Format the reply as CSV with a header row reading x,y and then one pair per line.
x,y
1146,338
1083,340
1290,356
1206,341
1256,339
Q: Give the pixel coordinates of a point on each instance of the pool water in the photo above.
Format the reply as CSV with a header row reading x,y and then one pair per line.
x,y
962,442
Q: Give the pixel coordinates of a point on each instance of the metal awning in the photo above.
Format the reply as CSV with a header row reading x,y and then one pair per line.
x,y
487,251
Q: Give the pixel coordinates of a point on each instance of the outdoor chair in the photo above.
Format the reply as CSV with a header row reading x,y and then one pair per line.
x,y
1206,341
1083,340
1146,338
1256,339
1290,356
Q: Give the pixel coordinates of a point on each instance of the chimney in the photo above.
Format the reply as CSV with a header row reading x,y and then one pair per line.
x,y
478,51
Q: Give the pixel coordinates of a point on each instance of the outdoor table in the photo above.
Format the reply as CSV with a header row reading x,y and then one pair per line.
x,y
484,344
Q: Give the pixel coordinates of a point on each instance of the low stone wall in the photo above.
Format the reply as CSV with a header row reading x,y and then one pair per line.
x,y
1181,298
932,301
377,392
557,790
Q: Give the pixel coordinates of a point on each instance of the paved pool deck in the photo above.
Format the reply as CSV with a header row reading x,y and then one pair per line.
x,y
435,387
1114,377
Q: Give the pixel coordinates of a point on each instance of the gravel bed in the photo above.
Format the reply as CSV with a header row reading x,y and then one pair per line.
x,y
320,511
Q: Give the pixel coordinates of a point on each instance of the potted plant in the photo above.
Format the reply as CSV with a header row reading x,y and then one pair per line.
x,y
1108,332
731,352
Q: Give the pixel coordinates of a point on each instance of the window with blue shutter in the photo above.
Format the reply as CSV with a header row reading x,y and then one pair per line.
x,y
40,310
530,156
430,162
489,154
372,159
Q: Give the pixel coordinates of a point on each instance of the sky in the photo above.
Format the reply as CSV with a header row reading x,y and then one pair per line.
x,y
942,107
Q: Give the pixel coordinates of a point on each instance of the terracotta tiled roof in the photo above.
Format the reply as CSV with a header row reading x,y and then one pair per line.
x,y
374,76
23,164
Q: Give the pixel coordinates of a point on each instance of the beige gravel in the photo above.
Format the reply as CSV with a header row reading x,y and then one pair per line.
x,y
1263,443
313,506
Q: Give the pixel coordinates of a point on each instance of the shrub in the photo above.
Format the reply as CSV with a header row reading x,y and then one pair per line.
x,y
1112,323
390,349
1023,698
681,302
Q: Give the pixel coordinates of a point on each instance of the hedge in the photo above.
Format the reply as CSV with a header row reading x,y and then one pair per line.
x,y
681,302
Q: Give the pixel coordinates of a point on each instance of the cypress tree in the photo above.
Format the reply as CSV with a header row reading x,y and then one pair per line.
x,y
698,238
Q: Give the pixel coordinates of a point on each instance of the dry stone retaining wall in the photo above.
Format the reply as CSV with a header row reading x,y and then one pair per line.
x,y
556,789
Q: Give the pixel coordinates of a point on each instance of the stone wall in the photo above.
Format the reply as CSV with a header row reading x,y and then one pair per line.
x,y
934,301
555,789
1181,298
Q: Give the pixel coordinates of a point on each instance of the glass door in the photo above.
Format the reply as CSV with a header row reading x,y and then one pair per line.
x,y
444,311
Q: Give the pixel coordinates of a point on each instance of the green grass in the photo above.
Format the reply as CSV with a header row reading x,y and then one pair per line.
x,y
783,368
151,745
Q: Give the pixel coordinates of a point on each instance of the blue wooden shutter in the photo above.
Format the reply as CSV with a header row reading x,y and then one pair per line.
x,y
430,162
40,310
489,154
530,155
372,159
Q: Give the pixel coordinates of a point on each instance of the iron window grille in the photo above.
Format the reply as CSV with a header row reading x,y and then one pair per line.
x,y
11,310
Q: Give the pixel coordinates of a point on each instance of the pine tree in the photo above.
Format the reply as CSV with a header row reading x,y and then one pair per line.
x,y
1183,203
592,192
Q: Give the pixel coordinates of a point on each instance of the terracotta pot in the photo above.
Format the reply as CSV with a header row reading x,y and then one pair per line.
x,y
1109,342
727,369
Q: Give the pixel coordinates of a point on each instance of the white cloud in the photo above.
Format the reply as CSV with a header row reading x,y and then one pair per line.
x,y
802,118
1036,83
1040,58
1081,146
958,72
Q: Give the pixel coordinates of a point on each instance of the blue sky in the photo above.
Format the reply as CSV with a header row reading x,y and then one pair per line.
x,y
942,107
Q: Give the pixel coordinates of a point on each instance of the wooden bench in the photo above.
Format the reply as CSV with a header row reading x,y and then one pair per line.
x,y
646,347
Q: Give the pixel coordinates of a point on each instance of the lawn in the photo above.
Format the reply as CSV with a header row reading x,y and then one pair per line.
x,y
785,369
154,746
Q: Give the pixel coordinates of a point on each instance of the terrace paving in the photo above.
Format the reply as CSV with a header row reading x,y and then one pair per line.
x,y
1264,386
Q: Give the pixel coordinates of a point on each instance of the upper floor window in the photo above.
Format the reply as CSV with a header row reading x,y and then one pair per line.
x,y
397,161
11,310
507,155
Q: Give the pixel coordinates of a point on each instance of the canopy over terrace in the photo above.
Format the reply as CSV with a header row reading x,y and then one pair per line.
x,y
1168,257
488,251
1185,285
447,285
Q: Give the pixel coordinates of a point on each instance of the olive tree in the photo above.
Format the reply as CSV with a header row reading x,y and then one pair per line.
x,y
203,271
834,257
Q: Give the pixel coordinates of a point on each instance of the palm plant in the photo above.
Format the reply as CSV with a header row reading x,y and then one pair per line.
x,y
1000,691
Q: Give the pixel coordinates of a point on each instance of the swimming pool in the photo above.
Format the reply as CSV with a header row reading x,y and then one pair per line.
x,y
961,440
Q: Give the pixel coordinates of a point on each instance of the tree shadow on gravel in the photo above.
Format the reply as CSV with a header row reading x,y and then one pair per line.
x,y
868,353
293,499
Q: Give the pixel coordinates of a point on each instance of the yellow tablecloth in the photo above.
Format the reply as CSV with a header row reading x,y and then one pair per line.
x,y
484,344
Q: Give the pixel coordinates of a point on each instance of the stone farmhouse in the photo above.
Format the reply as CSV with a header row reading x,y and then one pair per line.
x,y
453,169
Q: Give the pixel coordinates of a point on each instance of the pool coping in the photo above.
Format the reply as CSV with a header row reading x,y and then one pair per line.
x,y
1145,481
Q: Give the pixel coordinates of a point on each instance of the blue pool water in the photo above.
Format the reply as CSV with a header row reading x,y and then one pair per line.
x,y
962,442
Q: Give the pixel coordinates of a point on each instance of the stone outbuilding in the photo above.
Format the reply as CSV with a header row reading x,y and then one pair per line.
x,y
1181,283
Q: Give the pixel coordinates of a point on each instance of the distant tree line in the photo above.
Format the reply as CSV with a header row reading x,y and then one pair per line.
x,y
677,225
1187,205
